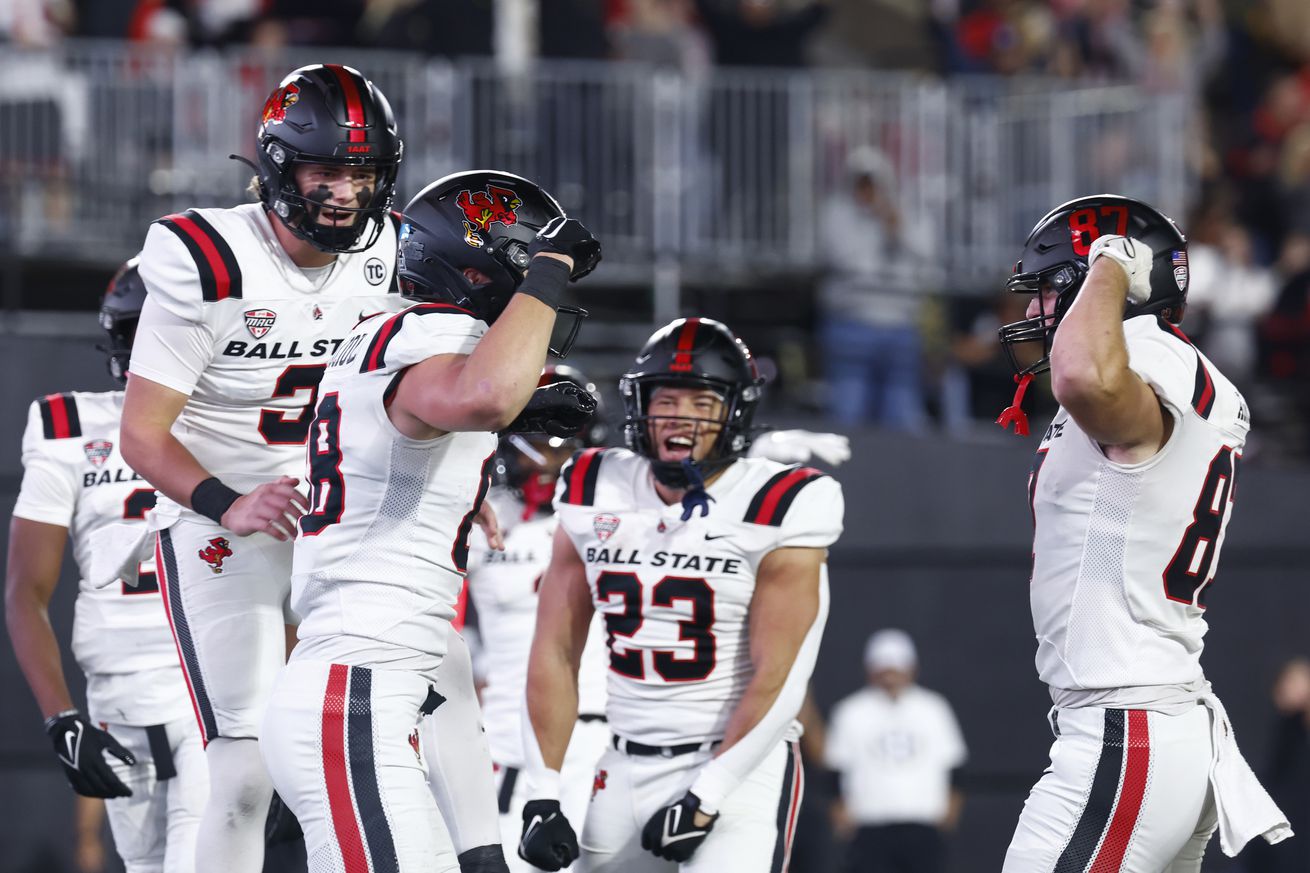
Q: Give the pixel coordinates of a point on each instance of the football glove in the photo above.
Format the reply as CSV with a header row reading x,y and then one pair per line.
x,y
568,236
560,409
548,840
281,824
80,747
1131,254
798,446
672,833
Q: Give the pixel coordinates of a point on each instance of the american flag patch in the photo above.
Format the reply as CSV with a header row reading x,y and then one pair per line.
x,y
1180,269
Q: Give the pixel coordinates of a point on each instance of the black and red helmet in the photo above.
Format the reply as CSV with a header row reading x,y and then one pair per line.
x,y
1055,256
328,114
692,353
120,311
480,220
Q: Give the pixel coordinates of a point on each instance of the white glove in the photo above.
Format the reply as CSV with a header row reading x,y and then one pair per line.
x,y
1131,254
798,446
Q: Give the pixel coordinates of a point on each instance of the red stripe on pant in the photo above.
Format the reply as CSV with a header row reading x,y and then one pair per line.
x,y
337,776
162,580
1132,791
797,792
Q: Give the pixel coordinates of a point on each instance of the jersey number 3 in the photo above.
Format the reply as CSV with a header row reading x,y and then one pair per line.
x,y
630,661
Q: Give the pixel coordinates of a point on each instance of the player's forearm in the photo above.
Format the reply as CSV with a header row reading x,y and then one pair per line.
x,y
552,707
1089,355
37,651
162,460
502,371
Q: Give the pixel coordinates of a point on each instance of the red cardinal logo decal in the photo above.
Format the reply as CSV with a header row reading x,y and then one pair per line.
x,y
485,208
214,553
275,108
598,784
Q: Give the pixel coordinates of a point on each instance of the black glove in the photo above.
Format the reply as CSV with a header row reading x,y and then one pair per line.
x,y
548,841
671,833
560,409
80,747
281,824
568,236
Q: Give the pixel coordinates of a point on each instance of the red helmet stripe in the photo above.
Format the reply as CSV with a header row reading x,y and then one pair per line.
x,y
686,342
354,105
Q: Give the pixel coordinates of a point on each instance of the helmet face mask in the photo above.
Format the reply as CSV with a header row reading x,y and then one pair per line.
x,y
1054,259
328,114
120,311
698,354
478,223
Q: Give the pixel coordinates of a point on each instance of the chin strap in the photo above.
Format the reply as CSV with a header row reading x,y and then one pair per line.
x,y
695,496
1014,412
536,494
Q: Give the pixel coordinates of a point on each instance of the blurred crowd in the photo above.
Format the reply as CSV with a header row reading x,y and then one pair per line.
x,y
925,361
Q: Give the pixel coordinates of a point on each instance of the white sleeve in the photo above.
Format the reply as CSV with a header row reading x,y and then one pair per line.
x,y
49,490
421,332
721,776
174,342
814,520
1163,361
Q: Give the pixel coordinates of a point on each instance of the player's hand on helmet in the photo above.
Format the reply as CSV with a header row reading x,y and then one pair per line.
x,y
548,840
271,508
676,831
560,409
798,446
80,747
1133,255
569,237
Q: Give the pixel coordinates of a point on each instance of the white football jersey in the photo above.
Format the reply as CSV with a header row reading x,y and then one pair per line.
x,y
231,321
1123,553
675,595
381,555
504,587
74,476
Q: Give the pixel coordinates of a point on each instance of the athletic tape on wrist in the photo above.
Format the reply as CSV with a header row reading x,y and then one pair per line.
x,y
211,498
546,280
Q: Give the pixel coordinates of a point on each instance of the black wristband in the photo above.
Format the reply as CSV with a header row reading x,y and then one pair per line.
x,y
212,498
546,280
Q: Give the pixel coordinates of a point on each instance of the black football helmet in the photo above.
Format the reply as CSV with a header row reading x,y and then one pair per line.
x,y
692,353
120,310
328,114
1055,255
529,464
482,220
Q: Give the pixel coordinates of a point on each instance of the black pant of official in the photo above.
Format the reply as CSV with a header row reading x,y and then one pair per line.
x,y
895,848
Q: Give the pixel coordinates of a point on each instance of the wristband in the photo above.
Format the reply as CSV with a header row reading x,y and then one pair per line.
x,y
544,784
212,498
546,280
50,722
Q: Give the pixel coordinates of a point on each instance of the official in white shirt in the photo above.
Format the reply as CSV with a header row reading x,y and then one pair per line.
x,y
896,748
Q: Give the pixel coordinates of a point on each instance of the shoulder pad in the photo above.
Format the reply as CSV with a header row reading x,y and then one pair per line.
x,y
775,497
59,419
1203,392
579,476
376,356
220,275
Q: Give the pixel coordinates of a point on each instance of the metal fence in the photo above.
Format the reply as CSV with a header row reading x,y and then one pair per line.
x,y
724,176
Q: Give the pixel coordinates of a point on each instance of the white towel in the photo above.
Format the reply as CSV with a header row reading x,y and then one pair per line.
x,y
1245,809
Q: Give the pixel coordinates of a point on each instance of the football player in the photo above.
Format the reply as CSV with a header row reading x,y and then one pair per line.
x,y
709,571
503,586
138,743
1131,490
400,452
246,306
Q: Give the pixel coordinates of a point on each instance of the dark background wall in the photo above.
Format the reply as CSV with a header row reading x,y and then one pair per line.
x,y
937,542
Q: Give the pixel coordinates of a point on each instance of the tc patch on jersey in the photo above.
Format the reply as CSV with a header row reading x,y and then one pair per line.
x,y
605,525
98,451
375,272
260,321
214,553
